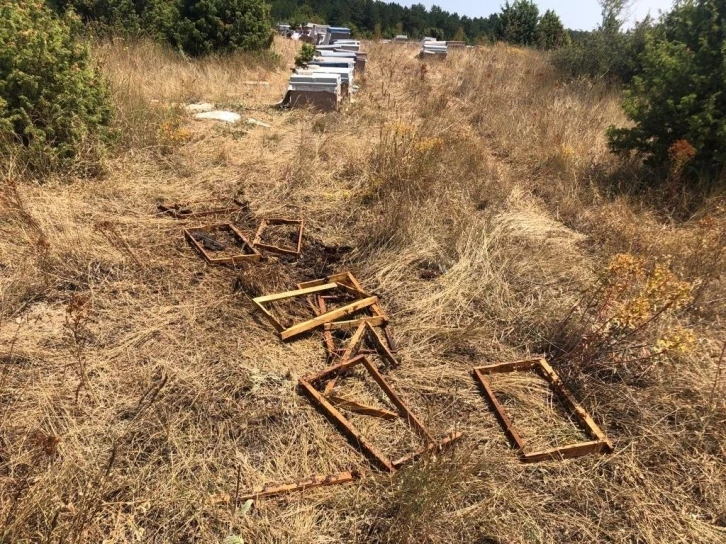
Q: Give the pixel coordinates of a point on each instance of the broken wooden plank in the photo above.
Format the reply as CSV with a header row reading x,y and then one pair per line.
x,y
271,318
526,364
380,346
430,448
354,342
333,370
506,423
397,402
345,427
295,293
300,237
321,480
327,317
566,452
358,408
330,386
389,338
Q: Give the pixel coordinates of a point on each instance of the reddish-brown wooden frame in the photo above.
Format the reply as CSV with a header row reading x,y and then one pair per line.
x,y
599,442
235,259
307,384
280,221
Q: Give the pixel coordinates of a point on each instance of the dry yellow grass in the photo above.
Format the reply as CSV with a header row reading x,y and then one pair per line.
x,y
137,386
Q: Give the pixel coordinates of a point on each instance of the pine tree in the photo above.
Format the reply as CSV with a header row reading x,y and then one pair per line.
x,y
518,22
551,33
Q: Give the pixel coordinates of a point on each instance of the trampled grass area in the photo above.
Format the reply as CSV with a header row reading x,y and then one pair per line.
x,y
476,197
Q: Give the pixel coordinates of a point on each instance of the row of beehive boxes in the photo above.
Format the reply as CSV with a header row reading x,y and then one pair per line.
x,y
328,78
434,48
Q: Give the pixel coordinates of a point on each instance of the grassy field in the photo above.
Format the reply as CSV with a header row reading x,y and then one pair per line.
x,y
140,392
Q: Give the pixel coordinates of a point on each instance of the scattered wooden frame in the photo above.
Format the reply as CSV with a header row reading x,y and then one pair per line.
x,y
280,221
320,480
599,442
348,280
253,256
317,321
307,384
348,283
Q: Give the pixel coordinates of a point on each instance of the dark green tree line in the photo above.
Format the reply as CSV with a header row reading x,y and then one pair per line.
x,y
193,26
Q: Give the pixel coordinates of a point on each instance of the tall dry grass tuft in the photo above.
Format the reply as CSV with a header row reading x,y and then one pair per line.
x,y
467,196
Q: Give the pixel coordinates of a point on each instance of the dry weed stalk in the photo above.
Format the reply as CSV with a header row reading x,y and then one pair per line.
x,y
76,321
717,377
611,328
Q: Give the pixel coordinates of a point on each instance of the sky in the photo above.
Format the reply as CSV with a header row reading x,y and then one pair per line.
x,y
575,14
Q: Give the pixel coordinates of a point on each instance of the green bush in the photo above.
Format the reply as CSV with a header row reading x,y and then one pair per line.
x,y
607,52
208,26
121,16
678,102
306,54
615,56
53,102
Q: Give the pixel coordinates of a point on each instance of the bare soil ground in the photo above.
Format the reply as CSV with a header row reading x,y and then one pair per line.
x,y
139,390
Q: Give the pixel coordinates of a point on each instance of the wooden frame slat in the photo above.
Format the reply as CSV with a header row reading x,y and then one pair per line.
x,y
320,480
566,452
397,402
504,420
376,321
358,408
334,370
296,293
327,317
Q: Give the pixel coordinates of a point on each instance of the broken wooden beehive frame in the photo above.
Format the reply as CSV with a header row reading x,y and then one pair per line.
x,y
294,250
599,442
376,316
332,284
327,406
204,233
318,321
